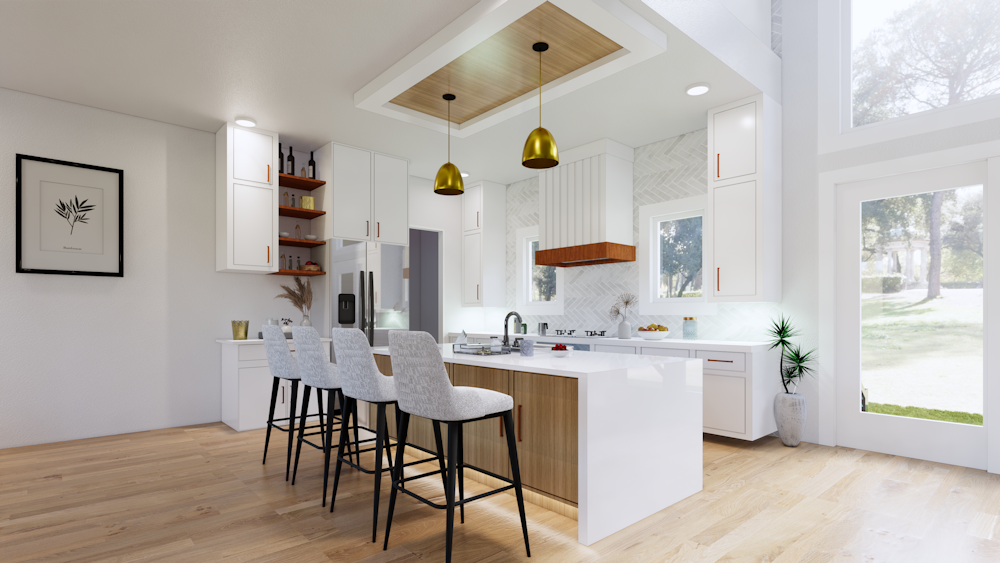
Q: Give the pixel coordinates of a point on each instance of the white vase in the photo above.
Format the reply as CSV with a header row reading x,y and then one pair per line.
x,y
790,414
306,321
625,330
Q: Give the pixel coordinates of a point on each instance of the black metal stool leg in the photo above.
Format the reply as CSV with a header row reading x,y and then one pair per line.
x,y
302,429
270,415
319,405
380,435
357,448
291,426
461,470
388,448
397,471
515,471
454,437
344,421
328,443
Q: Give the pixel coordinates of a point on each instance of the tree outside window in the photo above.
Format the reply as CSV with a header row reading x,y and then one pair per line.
x,y
543,278
680,258
910,56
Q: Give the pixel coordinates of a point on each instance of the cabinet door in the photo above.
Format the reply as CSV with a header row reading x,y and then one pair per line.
x,y
545,419
352,193
253,225
735,230
472,268
254,395
724,403
484,441
735,137
614,349
252,153
472,208
391,191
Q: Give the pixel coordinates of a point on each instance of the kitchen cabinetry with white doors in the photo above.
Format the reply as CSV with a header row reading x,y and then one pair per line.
x,y
246,200
484,231
742,223
369,200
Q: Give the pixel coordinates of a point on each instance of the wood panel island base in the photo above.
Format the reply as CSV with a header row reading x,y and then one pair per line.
x,y
619,437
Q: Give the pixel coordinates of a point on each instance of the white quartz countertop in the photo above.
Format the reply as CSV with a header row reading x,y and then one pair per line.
x,y
258,341
575,365
668,342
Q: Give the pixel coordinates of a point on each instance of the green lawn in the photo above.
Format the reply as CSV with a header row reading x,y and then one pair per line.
x,y
931,414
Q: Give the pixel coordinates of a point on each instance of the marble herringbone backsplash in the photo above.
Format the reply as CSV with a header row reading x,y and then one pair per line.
x,y
670,169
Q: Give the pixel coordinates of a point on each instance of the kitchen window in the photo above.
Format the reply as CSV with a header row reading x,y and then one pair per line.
x,y
539,288
671,255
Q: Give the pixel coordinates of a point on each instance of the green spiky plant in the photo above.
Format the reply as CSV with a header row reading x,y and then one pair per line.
x,y
795,363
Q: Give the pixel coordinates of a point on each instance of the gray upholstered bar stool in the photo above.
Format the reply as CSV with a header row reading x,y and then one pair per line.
x,y
317,372
282,366
423,389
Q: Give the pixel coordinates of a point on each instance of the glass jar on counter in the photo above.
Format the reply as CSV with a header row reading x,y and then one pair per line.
x,y
691,327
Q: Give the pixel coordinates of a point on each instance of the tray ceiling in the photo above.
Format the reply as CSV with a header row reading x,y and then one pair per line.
x,y
504,67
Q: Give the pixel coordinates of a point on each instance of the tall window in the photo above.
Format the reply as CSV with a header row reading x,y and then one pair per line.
x,y
679,257
909,56
543,278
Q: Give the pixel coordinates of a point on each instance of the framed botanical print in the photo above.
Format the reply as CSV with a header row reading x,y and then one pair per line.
x,y
69,218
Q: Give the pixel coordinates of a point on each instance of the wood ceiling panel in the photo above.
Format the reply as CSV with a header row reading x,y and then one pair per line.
x,y
504,67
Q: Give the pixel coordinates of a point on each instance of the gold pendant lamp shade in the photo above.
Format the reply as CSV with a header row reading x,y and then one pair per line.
x,y
449,179
540,150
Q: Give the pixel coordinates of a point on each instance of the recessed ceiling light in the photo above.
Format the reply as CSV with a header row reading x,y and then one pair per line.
x,y
465,174
697,89
245,122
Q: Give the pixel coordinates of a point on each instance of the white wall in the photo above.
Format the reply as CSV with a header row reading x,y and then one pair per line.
x,y
93,356
755,14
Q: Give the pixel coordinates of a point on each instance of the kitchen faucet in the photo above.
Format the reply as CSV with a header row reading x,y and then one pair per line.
x,y
506,321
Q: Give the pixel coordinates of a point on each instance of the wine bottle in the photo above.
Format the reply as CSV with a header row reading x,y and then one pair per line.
x,y
312,166
281,156
291,162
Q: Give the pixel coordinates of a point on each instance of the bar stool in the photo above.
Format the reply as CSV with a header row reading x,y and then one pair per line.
x,y
423,389
317,372
282,366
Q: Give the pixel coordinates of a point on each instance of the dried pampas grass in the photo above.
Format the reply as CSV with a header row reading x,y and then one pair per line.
x,y
301,297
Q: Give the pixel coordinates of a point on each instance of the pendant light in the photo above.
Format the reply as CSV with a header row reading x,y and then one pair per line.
x,y
540,150
448,180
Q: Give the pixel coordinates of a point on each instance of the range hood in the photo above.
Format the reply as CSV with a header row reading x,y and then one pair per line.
x,y
585,207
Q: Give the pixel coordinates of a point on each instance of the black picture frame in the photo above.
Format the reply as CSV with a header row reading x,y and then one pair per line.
x,y
121,219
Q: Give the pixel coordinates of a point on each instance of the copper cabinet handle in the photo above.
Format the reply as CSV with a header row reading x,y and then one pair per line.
x,y
718,279
282,394
378,229
501,427
716,165
722,361
518,423
268,254
367,229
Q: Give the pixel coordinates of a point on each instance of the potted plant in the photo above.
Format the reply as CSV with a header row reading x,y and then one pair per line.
x,y
790,408
620,311
301,297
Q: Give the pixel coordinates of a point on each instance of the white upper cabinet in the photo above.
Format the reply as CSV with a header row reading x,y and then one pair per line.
x,y
252,156
472,208
391,200
370,195
735,243
246,200
735,134
352,193
742,224
484,245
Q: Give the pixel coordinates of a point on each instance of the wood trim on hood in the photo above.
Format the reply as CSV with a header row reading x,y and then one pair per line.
x,y
585,255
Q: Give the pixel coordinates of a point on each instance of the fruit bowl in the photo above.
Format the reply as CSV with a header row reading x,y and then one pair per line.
x,y
560,353
653,334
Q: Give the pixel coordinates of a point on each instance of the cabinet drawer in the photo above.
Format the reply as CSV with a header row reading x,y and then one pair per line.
x,y
248,353
724,361
614,349
724,403
672,352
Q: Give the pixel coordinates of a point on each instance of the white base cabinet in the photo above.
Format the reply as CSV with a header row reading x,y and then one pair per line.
x,y
484,246
742,224
246,200
246,386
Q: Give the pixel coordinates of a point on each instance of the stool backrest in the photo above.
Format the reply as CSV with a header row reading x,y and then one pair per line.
x,y
314,366
422,384
360,377
279,357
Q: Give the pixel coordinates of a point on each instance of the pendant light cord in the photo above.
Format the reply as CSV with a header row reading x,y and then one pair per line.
x,y
449,130
539,89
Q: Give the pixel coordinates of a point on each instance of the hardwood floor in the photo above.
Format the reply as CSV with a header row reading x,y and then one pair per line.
x,y
200,493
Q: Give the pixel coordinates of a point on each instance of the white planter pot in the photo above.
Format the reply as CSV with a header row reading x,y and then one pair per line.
x,y
625,330
790,414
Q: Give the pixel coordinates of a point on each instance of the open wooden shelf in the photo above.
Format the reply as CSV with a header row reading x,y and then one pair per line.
x,y
302,273
300,242
299,213
298,182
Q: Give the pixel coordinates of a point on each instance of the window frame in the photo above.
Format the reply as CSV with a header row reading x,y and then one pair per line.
x,y
524,305
650,216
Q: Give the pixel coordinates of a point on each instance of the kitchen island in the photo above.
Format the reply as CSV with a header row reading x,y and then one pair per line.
x,y
619,437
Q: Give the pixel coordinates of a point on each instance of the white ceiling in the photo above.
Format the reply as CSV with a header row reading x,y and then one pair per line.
x,y
294,66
